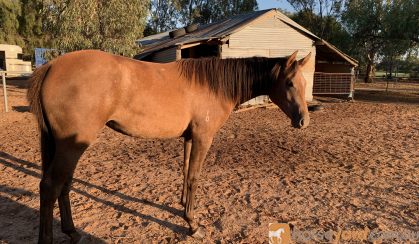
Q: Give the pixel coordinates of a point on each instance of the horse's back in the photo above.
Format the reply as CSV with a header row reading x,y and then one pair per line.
x,y
86,89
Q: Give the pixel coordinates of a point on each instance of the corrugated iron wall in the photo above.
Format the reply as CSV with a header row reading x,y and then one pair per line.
x,y
164,56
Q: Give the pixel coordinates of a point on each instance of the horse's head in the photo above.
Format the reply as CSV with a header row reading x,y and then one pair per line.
x,y
288,91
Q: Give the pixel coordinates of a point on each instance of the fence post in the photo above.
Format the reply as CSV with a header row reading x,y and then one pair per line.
x,y
3,77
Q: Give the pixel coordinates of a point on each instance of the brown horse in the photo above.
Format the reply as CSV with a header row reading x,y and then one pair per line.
x,y
77,94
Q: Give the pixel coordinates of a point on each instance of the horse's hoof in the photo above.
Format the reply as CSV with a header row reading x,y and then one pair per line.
x,y
75,237
199,233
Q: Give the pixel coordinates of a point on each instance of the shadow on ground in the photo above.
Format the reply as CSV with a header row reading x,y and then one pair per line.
x,y
18,218
17,82
21,109
381,96
15,214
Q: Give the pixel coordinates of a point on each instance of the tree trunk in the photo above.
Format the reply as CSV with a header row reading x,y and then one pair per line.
x,y
391,68
370,67
367,78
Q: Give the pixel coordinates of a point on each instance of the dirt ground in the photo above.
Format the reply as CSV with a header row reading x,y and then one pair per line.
x,y
355,167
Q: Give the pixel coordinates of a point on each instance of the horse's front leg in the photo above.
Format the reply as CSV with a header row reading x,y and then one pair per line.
x,y
200,146
187,154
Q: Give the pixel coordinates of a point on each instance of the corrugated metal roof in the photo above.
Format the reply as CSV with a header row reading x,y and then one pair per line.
x,y
215,30
223,28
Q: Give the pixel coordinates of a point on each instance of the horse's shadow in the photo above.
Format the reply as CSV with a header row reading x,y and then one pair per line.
x,y
17,220
21,109
8,204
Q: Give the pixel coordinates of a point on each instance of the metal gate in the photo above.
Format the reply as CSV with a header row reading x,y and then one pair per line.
x,y
333,83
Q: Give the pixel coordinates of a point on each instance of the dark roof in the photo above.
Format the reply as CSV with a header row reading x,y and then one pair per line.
x,y
204,32
327,52
223,28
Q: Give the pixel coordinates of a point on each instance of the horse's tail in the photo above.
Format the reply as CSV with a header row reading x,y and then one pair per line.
x,y
35,103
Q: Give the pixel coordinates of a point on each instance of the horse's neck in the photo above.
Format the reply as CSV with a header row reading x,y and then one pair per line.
x,y
256,92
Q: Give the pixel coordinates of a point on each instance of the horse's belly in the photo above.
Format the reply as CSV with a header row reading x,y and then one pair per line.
x,y
151,125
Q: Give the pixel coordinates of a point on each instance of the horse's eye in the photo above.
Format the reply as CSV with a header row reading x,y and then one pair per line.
x,y
289,84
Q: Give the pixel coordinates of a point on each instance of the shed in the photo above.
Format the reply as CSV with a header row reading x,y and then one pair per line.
x,y
11,60
265,33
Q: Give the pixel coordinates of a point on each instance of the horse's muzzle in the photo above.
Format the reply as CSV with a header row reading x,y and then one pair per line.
x,y
300,122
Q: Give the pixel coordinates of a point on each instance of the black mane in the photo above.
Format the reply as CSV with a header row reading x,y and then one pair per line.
x,y
237,79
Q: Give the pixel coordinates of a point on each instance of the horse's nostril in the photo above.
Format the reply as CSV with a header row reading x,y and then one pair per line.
x,y
301,122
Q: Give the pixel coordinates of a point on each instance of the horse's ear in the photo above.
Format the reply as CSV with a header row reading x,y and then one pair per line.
x,y
291,59
303,61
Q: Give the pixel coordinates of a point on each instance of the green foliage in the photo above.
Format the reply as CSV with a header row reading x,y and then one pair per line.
x,y
408,64
30,25
326,27
163,16
10,11
111,25
167,14
381,29
319,16
401,21
368,30
213,10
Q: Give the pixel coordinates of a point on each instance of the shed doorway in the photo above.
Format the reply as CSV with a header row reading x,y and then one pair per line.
x,y
199,51
2,60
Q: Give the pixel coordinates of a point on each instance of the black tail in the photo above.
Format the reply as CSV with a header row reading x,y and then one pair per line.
x,y
35,103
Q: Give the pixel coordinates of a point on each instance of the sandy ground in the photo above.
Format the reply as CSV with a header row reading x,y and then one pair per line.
x,y
356,166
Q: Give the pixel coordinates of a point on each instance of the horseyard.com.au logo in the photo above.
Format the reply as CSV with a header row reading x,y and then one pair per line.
x,y
279,233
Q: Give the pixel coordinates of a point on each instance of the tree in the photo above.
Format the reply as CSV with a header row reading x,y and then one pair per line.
x,y
10,11
322,17
402,20
319,16
168,14
208,11
400,31
111,25
163,16
331,28
30,25
381,28
213,10
364,19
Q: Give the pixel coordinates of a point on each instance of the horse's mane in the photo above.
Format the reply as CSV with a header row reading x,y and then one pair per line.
x,y
234,78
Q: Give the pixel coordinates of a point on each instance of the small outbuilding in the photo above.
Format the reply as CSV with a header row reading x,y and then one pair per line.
x,y
265,33
11,60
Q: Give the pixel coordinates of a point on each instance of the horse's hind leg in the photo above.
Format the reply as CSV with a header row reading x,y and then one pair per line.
x,y
67,225
55,184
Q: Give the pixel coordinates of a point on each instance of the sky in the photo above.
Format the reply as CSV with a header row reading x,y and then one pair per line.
x,y
283,4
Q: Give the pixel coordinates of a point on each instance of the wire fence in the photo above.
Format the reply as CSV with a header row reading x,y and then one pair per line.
x,y
332,83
